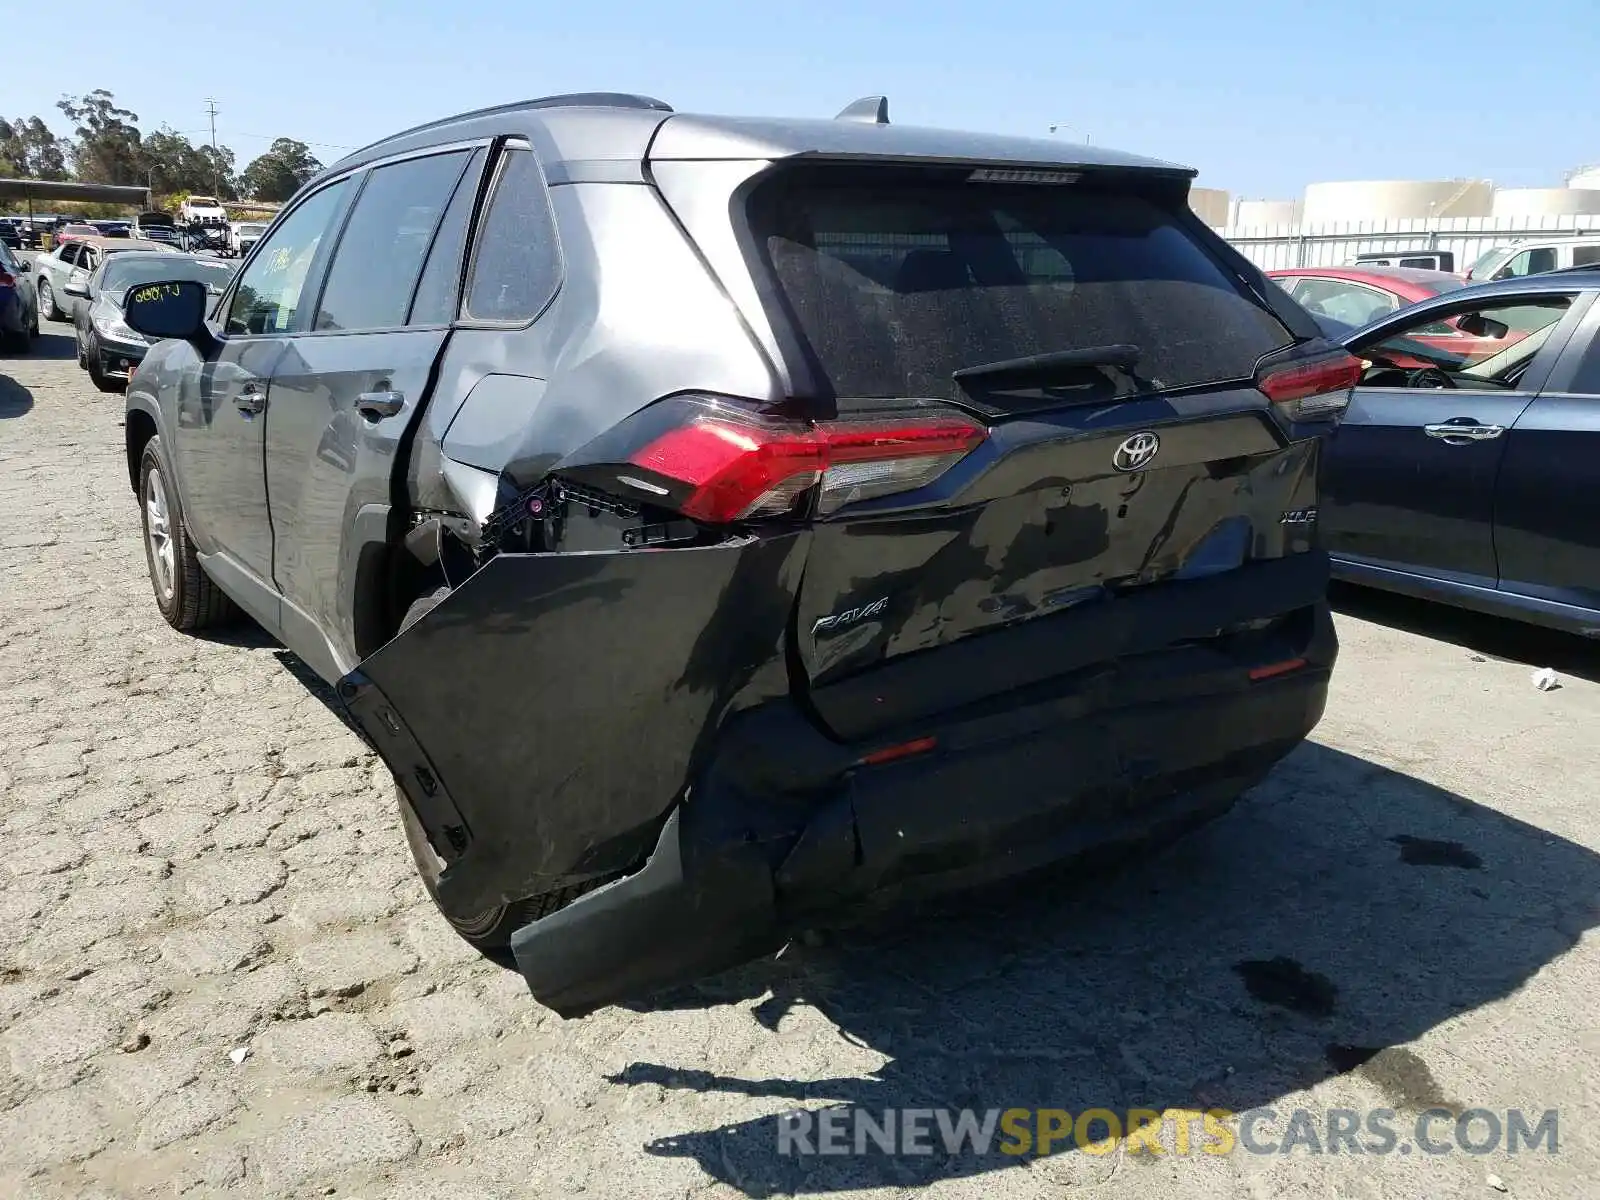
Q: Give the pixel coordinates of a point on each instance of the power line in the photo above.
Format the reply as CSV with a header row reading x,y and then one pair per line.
x,y
265,137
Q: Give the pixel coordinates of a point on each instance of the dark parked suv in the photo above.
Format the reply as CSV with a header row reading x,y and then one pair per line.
x,y
723,526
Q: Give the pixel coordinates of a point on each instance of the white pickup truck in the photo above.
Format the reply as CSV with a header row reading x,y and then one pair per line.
x,y
202,210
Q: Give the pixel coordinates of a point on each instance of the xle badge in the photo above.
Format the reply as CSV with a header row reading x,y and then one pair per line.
x,y
1300,516
850,616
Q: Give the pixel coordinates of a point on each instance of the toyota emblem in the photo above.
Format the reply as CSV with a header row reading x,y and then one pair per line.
x,y
1136,452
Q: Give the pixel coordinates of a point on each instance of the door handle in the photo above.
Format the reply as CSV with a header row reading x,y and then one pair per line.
x,y
377,405
251,400
1466,431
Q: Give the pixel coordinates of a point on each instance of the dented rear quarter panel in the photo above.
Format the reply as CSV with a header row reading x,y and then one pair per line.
x,y
562,701
638,317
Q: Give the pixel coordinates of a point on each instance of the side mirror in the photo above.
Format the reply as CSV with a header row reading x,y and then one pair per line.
x,y
167,310
76,287
1478,325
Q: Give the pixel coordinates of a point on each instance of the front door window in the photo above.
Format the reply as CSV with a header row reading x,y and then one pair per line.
x,y
1489,350
268,297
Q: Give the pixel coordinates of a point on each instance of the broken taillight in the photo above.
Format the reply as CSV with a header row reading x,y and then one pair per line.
x,y
1310,389
717,461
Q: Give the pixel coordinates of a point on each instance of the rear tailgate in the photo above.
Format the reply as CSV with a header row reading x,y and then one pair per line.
x,y
1165,465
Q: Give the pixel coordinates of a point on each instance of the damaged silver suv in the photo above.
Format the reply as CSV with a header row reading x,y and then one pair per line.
x,y
722,526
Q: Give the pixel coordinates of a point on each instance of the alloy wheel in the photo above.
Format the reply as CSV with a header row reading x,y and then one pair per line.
x,y
158,533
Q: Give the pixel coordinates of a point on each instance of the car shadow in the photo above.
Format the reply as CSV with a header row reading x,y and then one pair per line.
x,y
1339,912
1493,637
313,683
56,341
15,400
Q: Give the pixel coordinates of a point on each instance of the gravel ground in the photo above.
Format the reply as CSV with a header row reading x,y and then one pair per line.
x,y
202,860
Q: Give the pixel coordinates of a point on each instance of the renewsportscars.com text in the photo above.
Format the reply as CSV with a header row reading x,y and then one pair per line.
x,y
1040,1131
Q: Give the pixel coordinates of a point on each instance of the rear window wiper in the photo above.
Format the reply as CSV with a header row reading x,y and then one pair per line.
x,y
1040,368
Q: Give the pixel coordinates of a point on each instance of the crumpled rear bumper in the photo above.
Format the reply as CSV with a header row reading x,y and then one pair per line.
x,y
1008,796
565,718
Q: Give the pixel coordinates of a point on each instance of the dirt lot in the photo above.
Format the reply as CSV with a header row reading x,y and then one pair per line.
x,y
200,859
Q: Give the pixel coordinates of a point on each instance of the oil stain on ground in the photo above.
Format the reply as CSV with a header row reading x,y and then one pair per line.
x,y
1284,983
1425,852
1401,1075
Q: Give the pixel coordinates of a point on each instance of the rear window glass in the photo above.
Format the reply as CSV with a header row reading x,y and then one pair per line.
x,y
897,279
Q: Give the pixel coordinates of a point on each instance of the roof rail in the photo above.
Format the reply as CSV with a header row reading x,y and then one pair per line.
x,y
566,100
869,110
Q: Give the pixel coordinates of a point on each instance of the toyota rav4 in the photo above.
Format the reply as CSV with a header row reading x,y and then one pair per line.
x,y
724,526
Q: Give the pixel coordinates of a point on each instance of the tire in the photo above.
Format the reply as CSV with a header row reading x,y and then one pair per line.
x,y
488,931
47,302
83,358
185,594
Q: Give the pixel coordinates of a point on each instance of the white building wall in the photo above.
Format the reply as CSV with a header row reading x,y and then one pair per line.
x,y
1333,243
1376,200
1530,202
1210,204
1249,214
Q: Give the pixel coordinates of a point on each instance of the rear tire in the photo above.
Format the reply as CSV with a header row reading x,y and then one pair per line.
x,y
47,302
490,930
185,594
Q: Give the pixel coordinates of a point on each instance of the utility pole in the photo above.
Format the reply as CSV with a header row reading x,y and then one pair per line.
x,y
216,180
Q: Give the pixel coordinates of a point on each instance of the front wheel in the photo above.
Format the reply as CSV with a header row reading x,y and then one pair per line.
x,y
47,302
185,594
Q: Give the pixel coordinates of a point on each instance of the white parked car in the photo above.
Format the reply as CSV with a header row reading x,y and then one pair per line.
x,y
202,210
1535,258
246,234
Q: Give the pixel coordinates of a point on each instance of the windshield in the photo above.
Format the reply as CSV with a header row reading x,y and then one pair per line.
x,y
202,202
1482,262
130,271
898,278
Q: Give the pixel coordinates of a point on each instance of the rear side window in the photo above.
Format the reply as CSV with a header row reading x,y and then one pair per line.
x,y
439,290
898,278
517,266
380,253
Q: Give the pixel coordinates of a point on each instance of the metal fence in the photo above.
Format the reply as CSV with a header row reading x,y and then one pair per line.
x,y
1335,243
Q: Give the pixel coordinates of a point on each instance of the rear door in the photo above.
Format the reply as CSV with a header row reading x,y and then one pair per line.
x,y
1547,503
1411,474
1154,461
345,390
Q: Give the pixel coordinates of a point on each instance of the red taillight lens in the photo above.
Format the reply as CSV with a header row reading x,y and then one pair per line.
x,y
735,465
733,469
7,279
1312,388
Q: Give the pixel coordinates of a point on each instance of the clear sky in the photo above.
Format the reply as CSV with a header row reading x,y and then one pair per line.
x,y
1261,97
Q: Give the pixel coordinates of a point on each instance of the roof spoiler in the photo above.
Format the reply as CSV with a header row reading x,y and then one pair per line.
x,y
869,110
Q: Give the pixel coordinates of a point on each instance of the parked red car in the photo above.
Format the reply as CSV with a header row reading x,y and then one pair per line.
x,y
67,233
1357,295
